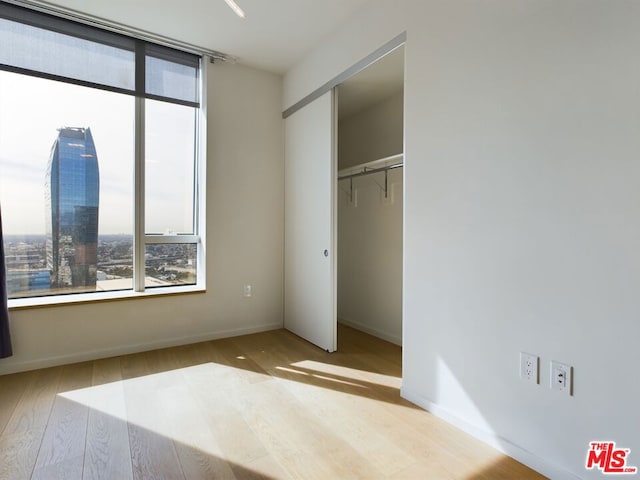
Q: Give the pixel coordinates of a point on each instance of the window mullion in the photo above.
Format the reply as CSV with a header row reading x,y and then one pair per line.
x,y
139,176
170,239
201,174
139,224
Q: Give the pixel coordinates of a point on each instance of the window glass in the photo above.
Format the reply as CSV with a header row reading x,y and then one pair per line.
x,y
66,163
40,50
171,79
170,264
169,168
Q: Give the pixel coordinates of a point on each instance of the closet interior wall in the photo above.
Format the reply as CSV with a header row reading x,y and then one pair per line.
x,y
370,221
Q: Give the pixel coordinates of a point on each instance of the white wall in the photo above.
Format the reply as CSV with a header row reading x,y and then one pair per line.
x,y
373,133
522,213
244,245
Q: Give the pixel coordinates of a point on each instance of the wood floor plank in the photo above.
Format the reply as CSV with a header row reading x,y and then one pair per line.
x,y
153,452
28,422
264,468
417,471
153,455
18,453
215,388
369,441
67,469
296,439
12,388
61,454
234,355
106,370
196,447
108,453
34,407
198,450
134,365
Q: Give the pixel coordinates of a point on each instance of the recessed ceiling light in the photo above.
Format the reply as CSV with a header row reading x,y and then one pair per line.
x,y
234,6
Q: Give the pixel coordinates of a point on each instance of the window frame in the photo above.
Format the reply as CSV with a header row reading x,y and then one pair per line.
x,y
140,238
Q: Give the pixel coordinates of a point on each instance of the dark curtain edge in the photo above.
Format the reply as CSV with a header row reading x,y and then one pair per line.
x,y
5,337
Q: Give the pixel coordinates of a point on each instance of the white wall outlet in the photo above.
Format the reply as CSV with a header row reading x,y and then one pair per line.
x,y
561,377
247,291
529,367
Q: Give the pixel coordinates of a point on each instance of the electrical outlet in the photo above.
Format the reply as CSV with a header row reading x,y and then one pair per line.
x,y
529,367
247,291
561,377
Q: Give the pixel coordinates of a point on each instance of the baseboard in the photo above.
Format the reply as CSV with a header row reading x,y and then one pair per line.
x,y
127,349
371,331
501,444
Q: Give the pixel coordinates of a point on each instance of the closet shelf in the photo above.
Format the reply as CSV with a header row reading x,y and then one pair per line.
x,y
369,171
372,170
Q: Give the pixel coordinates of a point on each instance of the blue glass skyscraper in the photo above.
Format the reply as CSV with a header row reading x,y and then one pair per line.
x,y
72,191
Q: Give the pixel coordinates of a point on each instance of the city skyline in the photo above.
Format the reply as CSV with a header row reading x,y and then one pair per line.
x,y
165,264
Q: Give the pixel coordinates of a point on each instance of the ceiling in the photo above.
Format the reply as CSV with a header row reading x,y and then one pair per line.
x,y
274,35
377,82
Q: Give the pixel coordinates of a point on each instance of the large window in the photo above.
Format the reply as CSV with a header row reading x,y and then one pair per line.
x,y
100,168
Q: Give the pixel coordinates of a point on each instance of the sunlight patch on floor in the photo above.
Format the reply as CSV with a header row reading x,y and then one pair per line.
x,y
164,404
345,372
321,377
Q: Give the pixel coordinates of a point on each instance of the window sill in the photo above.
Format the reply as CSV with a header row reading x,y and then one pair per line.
x,y
81,298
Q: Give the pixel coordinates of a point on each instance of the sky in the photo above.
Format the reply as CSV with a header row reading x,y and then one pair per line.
x,y
31,112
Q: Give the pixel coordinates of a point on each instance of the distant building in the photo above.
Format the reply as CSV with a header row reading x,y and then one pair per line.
x,y
72,190
28,282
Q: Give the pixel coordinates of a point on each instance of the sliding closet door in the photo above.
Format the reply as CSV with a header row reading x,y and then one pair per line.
x,y
310,253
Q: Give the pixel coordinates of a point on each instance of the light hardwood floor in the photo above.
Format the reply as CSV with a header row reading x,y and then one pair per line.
x,y
268,406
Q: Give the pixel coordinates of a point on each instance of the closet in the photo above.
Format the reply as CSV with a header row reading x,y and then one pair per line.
x,y
370,198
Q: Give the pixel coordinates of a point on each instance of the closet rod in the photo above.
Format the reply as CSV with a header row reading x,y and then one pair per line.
x,y
373,170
